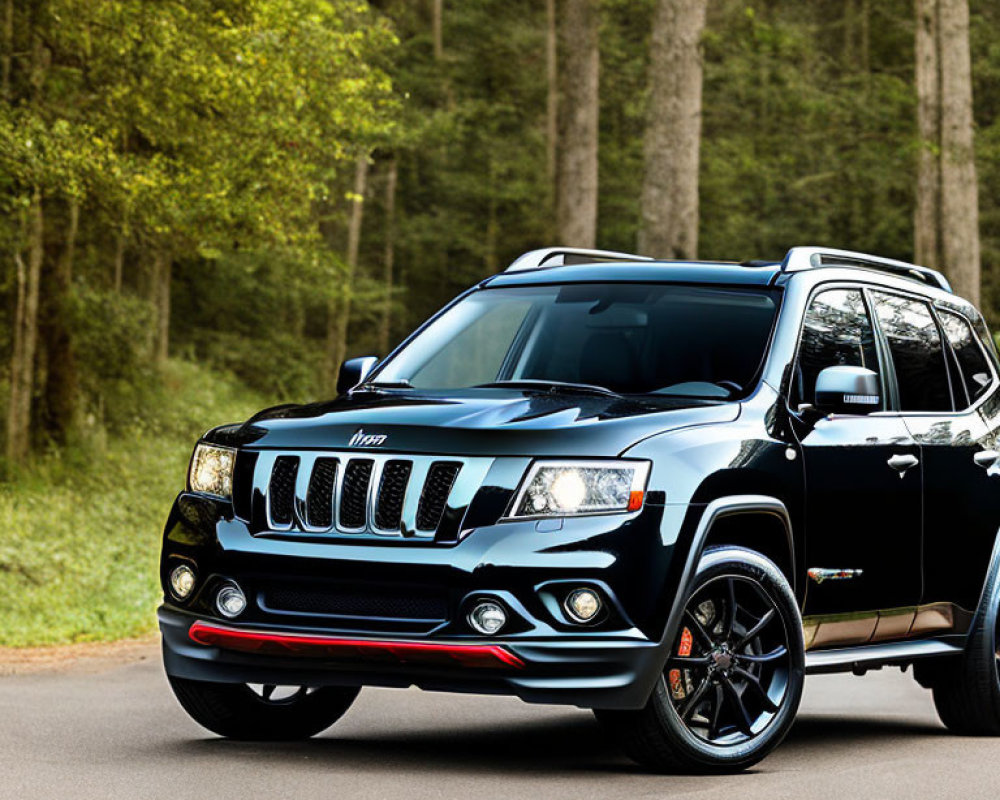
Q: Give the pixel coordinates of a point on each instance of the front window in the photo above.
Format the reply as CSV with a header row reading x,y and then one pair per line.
x,y
837,331
626,338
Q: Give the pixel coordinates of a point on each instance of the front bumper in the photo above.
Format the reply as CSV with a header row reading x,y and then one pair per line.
x,y
544,656
591,674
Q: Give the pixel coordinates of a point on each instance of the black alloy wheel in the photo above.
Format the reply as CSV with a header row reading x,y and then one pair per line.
x,y
733,675
728,670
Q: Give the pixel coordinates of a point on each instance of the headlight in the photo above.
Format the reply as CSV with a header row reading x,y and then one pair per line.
x,y
212,471
563,488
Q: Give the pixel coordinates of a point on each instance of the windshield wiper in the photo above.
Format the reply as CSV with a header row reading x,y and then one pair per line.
x,y
550,387
400,384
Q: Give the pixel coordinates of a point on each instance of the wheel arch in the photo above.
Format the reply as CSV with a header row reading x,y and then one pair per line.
x,y
755,521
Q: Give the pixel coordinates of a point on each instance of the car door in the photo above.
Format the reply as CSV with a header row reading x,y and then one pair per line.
x,y
863,482
959,453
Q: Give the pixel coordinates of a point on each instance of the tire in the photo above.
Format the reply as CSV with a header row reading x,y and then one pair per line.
x,y
238,711
967,689
732,681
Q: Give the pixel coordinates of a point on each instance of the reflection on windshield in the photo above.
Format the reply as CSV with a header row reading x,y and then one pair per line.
x,y
626,338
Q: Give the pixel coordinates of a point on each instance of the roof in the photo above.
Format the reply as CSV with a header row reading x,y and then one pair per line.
x,y
699,272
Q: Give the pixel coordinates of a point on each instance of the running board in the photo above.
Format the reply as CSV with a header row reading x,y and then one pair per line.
x,y
875,656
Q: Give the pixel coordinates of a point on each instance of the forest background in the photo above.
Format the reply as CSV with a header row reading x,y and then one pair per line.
x,y
206,205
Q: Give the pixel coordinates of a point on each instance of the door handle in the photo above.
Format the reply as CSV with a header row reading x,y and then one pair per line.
x,y
903,461
986,458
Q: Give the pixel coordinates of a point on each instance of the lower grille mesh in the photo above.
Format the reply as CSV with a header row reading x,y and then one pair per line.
x,y
417,605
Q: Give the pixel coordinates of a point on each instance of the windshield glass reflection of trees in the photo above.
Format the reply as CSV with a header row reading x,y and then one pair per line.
x,y
629,338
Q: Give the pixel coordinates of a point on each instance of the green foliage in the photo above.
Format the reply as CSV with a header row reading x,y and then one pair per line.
x,y
800,144
79,553
224,134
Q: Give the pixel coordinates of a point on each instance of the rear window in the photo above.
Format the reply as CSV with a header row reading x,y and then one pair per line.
x,y
917,352
972,364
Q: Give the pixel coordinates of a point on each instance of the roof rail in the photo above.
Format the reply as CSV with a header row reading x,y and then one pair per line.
x,y
560,256
802,258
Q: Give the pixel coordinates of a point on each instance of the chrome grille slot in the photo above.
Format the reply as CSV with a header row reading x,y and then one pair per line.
x,y
434,497
325,493
319,496
246,463
281,490
391,493
354,494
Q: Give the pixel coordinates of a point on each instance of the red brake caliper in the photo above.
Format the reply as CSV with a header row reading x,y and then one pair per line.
x,y
677,688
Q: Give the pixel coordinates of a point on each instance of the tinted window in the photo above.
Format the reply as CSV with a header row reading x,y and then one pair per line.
x,y
477,347
837,331
917,352
971,359
631,338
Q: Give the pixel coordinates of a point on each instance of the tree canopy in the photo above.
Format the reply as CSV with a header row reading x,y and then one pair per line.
x,y
256,183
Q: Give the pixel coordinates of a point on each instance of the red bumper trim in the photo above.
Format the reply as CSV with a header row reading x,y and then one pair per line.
x,y
490,656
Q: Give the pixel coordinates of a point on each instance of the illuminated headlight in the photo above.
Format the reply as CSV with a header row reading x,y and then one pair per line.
x,y
212,471
556,489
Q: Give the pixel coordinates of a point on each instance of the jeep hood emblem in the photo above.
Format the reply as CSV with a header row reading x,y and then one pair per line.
x,y
362,439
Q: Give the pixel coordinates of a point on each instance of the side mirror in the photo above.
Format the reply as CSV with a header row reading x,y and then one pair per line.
x,y
354,371
847,390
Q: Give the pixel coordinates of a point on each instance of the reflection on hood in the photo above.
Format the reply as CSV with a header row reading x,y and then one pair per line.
x,y
478,422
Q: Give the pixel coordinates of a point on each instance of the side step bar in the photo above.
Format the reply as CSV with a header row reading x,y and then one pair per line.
x,y
875,656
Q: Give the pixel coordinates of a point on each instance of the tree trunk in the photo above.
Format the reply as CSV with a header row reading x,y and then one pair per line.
x,y
160,289
118,263
389,258
576,165
927,214
22,368
959,189
671,149
437,12
552,100
6,57
849,51
339,319
58,411
866,40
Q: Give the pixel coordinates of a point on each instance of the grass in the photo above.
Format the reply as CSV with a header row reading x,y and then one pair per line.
x,y
80,530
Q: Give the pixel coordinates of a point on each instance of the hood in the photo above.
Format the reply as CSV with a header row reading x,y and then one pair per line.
x,y
485,422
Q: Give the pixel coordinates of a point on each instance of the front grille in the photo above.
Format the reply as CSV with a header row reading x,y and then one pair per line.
x,y
440,479
246,462
358,493
391,492
413,605
354,494
319,499
282,489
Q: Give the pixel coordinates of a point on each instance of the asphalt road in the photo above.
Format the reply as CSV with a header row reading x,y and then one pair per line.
x,y
116,731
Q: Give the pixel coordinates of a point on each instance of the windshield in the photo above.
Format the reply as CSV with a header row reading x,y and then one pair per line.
x,y
627,338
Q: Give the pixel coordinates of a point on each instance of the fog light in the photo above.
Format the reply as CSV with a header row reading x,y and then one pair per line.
x,y
487,617
583,605
230,600
182,582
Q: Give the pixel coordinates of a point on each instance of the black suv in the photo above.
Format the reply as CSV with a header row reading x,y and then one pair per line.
x,y
665,491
